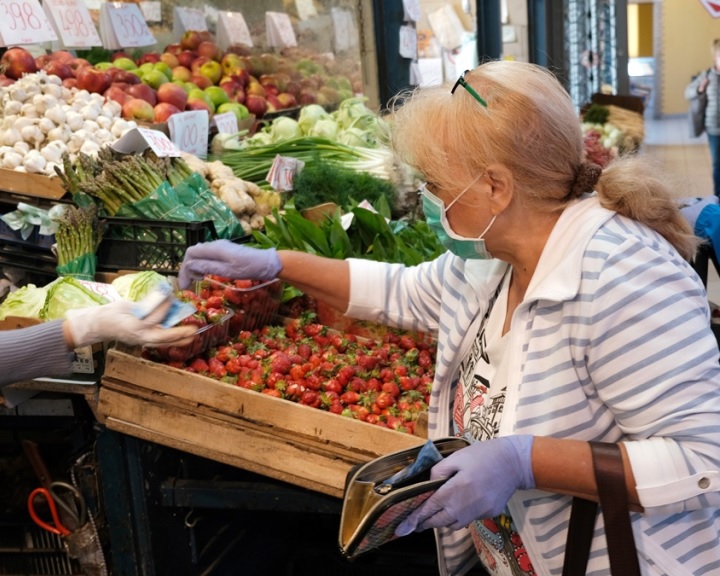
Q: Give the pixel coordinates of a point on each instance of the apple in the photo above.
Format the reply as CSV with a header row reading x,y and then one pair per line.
x,y
256,104
186,58
164,110
117,94
42,60
181,73
241,76
234,90
230,64
198,94
70,82
198,62
287,100
240,111
103,65
62,55
77,63
138,109
210,50
217,95
146,67
307,96
190,40
200,104
124,63
201,81
5,81
119,54
148,58
273,104
127,77
93,80
143,92
59,69
163,68
211,70
155,79
255,88
173,49
16,62
170,93
171,60
331,94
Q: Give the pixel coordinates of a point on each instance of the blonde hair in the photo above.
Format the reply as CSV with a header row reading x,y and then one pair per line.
x,y
530,126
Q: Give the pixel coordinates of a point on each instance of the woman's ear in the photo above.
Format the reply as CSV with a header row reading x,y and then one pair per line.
x,y
502,186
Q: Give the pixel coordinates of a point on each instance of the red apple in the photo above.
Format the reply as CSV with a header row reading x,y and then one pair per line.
x,y
198,62
169,59
256,104
273,103
170,93
59,69
127,77
41,60
138,109
199,104
70,82
164,110
119,54
191,40
151,57
143,92
5,81
234,90
209,50
201,81
117,93
181,73
255,88
186,57
241,76
16,62
93,80
287,100
77,63
173,49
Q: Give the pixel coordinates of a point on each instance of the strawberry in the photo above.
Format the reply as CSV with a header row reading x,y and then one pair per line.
x,y
280,363
199,365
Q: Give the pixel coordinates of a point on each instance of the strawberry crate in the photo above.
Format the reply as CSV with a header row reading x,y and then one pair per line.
x,y
254,302
206,337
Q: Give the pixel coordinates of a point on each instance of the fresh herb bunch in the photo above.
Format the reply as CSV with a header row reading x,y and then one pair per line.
x,y
596,114
321,182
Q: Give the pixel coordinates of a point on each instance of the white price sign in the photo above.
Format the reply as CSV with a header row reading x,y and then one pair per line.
x,y
279,30
408,42
190,19
226,123
24,22
126,26
411,10
151,10
232,30
73,23
189,131
160,144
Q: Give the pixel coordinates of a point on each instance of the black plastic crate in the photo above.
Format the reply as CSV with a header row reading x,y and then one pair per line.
x,y
35,240
160,245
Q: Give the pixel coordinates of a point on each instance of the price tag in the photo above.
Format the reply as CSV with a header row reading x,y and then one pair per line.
x,y
24,22
226,123
283,171
408,42
189,131
71,19
122,25
151,11
137,140
345,32
411,10
186,19
279,30
232,30
305,9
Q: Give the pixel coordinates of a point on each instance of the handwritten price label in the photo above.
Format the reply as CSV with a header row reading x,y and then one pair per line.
x,y
226,123
191,18
189,131
24,22
73,23
128,24
160,144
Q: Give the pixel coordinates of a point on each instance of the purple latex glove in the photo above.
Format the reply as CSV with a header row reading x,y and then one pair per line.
x,y
484,477
225,258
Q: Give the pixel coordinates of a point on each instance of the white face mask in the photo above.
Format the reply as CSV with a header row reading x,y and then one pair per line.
x,y
436,216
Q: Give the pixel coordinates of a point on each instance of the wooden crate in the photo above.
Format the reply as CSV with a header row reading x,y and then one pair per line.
x,y
270,436
31,184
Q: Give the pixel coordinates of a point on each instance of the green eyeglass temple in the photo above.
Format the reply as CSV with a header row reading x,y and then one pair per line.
x,y
470,89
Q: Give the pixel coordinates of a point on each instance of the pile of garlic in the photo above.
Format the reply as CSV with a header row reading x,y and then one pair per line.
x,y
41,119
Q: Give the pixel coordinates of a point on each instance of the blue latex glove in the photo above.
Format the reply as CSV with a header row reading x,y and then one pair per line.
x,y
225,258
484,477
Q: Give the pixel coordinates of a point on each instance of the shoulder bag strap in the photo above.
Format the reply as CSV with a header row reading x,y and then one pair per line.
x,y
612,492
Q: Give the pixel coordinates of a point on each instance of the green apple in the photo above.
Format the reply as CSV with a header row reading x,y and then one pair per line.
x,y
240,111
147,67
154,78
217,95
104,65
198,94
124,64
164,69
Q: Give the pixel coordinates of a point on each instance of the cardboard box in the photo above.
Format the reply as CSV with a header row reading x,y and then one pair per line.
x,y
290,442
31,184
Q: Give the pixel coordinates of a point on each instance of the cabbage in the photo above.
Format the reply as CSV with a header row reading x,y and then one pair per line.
x,y
353,113
285,128
325,128
356,137
26,302
309,115
135,287
66,294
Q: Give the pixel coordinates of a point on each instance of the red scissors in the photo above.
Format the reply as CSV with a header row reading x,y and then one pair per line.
x,y
57,527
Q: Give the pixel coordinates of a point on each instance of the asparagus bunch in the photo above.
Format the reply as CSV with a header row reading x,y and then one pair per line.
x,y
78,232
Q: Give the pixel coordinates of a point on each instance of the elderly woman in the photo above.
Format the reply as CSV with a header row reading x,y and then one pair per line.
x,y
565,311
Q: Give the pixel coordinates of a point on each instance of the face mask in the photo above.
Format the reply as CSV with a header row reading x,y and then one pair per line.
x,y
436,218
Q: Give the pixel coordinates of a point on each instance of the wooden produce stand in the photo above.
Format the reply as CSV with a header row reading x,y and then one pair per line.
x,y
290,442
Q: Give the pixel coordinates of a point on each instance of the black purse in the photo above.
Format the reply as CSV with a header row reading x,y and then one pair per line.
x,y
610,478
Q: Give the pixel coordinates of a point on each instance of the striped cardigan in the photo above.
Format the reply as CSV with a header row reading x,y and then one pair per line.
x,y
712,111
611,343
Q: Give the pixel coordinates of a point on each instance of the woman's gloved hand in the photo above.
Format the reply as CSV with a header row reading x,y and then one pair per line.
x,y
225,258
115,321
482,478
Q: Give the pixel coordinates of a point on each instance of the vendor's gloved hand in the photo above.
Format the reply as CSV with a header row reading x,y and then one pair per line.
x,y
115,321
225,258
484,477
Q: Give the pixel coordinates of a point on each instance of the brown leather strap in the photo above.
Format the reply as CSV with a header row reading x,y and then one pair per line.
x,y
612,492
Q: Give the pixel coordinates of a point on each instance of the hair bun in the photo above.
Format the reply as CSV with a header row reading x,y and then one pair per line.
x,y
586,177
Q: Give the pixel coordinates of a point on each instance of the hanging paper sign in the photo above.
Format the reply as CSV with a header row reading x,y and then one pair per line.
x,y
305,9
24,22
151,11
408,42
137,140
186,19
283,172
226,123
232,30
411,10
712,6
122,25
189,131
279,30
72,22
446,27
344,30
